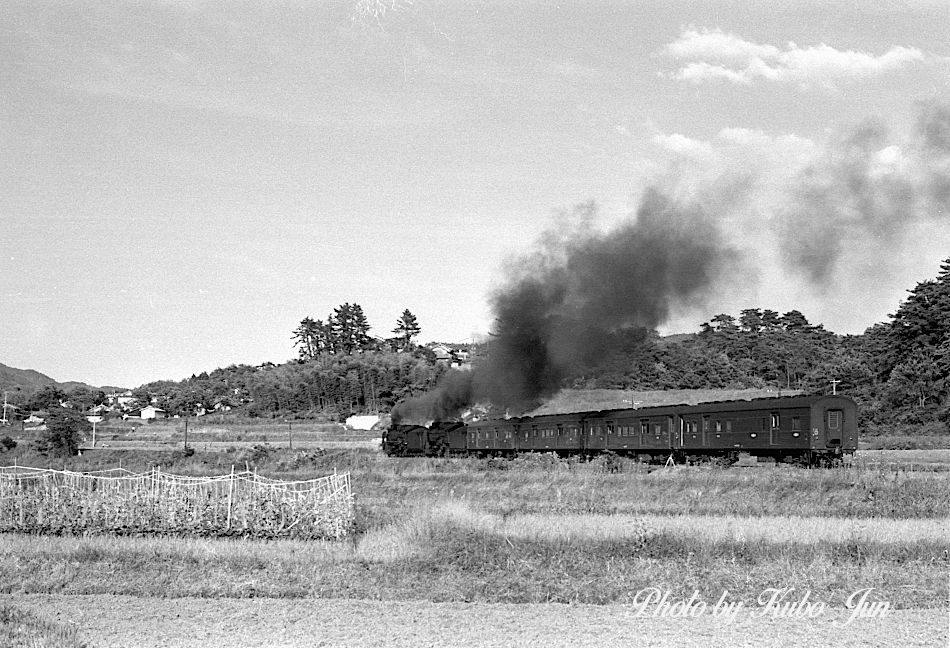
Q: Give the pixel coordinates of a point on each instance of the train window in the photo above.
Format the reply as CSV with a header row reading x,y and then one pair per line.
x,y
610,428
776,421
657,429
728,427
705,424
796,424
644,427
718,426
763,424
834,419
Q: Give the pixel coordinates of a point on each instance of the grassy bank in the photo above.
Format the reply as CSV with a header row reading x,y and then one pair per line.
x,y
535,529
385,486
448,551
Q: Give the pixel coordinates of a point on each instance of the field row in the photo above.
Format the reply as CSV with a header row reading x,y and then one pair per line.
x,y
449,551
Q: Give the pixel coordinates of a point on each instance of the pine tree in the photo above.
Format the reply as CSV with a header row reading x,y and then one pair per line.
x,y
407,327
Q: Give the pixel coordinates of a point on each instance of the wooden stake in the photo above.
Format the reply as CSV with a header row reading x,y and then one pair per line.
x,y
230,496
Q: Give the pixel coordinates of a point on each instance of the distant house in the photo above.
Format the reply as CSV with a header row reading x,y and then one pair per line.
x,y
120,399
152,412
362,422
443,355
458,358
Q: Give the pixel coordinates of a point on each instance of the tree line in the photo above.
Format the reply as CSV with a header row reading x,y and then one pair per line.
x,y
346,330
898,370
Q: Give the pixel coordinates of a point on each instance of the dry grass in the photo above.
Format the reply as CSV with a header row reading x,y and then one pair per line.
x,y
20,629
541,530
440,550
708,528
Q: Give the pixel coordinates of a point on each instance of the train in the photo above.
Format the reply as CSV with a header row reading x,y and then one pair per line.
x,y
803,430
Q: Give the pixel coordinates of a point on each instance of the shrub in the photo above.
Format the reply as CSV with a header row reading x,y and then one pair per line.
x,y
63,427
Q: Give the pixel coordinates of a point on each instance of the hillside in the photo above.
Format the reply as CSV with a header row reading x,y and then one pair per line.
x,y
30,380
26,380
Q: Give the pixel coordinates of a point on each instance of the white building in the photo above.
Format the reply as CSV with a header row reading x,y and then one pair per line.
x,y
151,412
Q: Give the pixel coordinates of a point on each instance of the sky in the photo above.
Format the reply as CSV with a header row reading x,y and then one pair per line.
x,y
182,182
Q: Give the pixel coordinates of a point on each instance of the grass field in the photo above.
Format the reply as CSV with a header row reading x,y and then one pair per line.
x,y
535,530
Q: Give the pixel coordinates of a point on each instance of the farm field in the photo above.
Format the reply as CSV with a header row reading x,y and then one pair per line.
x,y
220,436
516,541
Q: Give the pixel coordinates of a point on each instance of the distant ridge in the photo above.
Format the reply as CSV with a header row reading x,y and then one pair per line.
x,y
591,400
30,380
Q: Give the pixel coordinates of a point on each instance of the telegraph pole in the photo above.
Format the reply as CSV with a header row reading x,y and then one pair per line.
x,y
834,386
6,406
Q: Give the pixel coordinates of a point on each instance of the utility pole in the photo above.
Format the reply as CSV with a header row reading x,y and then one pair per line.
x,y
186,430
6,406
834,386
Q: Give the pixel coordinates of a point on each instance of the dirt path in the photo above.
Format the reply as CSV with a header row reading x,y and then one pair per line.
x,y
209,623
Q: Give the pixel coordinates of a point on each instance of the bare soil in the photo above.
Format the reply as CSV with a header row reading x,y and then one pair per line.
x,y
106,620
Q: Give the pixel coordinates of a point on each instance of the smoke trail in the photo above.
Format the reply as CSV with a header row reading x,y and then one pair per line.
x,y
836,213
868,188
564,300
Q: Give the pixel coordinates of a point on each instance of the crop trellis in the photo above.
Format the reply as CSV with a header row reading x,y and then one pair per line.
x,y
35,500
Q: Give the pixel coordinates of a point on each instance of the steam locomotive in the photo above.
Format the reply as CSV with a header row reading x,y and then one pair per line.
x,y
806,430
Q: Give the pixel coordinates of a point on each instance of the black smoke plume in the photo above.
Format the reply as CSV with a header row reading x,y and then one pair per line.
x,y
561,303
860,193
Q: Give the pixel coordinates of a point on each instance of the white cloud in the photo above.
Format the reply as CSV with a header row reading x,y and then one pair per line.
x,y
713,54
683,145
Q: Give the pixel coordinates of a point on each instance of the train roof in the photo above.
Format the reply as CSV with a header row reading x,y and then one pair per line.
x,y
778,402
769,403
